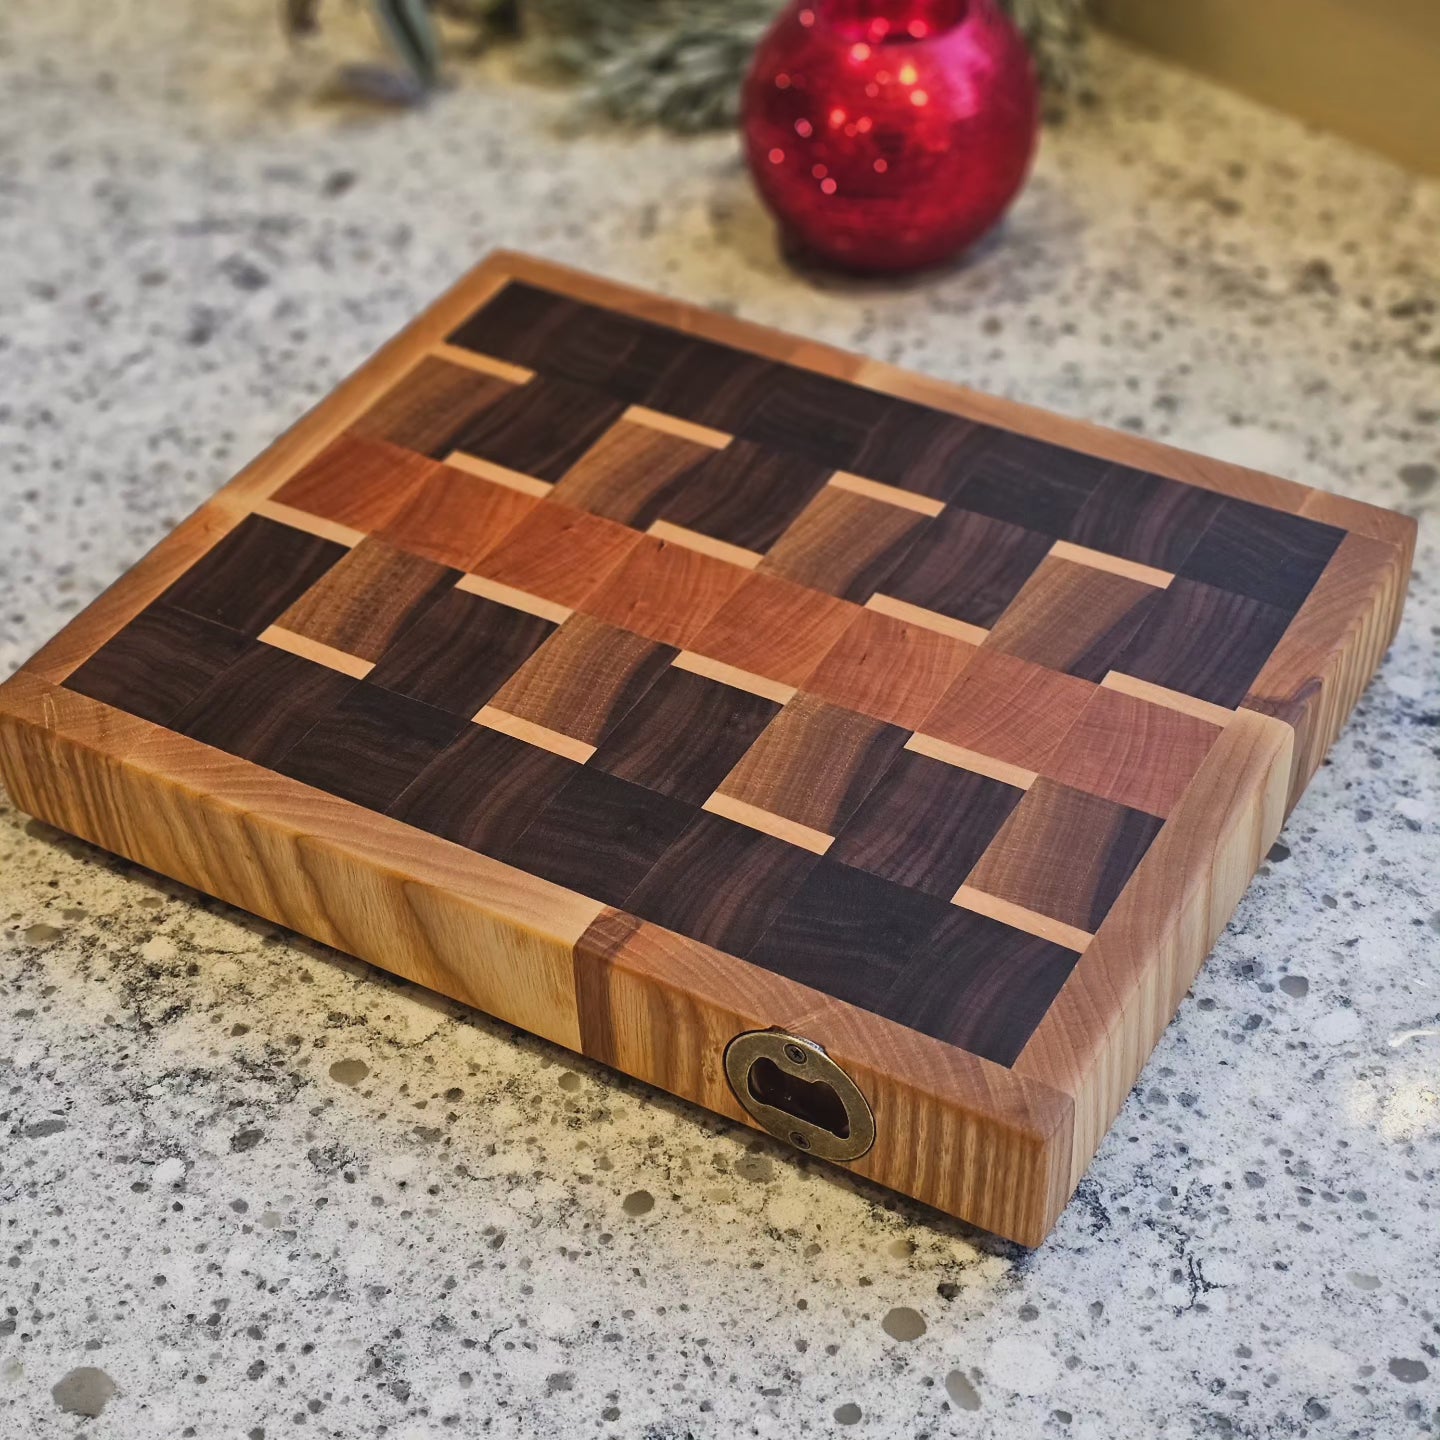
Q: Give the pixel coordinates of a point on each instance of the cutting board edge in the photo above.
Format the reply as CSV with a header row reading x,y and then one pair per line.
x,y
955,1131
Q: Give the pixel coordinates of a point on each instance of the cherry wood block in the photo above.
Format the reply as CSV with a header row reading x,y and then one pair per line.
x,y
1065,854
890,670
431,406
825,751
622,473
968,566
684,735
1009,709
455,518
559,553
361,604
1073,618
814,764
358,482
772,627
926,824
665,591
263,705
845,544
1134,753
459,652
584,679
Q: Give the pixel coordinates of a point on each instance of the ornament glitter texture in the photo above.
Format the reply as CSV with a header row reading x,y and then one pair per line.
x,y
887,135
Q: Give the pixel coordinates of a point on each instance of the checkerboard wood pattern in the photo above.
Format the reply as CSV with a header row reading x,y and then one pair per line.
x,y
644,677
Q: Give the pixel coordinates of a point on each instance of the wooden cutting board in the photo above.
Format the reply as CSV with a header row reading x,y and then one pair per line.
x,y
650,679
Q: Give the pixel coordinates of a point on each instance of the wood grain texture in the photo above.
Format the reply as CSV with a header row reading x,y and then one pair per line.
x,y
370,746
1204,642
1073,618
1330,650
889,670
1283,601
666,592
926,824
361,604
1125,749
845,544
1009,709
599,836
475,930
775,628
1144,517
357,481
1261,553
952,1129
619,476
721,883
684,735
262,706
432,407
457,654
540,429
1112,1010
559,553
455,518
968,566
159,663
1065,853
814,763
584,678
483,790
253,575
744,495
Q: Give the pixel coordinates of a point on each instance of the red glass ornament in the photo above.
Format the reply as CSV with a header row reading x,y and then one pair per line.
x,y
889,134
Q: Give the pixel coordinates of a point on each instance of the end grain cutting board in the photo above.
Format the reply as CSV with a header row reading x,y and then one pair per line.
x,y
649,679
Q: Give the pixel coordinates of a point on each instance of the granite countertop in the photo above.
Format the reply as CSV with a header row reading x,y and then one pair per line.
x,y
251,1188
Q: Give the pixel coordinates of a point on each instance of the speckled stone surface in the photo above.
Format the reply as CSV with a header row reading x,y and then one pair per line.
x,y
251,1188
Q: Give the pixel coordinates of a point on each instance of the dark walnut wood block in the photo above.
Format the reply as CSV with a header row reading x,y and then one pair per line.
x,y
644,677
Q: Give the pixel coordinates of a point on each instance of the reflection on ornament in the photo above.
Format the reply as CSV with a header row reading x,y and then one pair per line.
x,y
889,134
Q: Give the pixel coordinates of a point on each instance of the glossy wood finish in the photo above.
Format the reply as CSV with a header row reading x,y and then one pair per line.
x,y
366,599
942,731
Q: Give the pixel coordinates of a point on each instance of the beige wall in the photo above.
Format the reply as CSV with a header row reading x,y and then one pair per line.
x,y
1367,69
